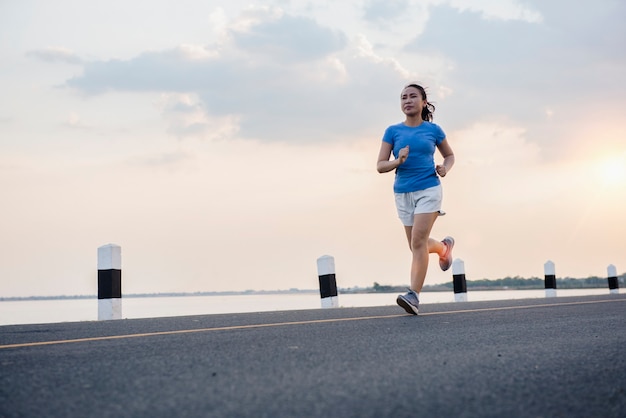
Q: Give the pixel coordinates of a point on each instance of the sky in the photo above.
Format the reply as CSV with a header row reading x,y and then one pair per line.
x,y
229,145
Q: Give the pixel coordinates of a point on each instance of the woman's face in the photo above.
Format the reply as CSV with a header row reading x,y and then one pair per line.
x,y
411,101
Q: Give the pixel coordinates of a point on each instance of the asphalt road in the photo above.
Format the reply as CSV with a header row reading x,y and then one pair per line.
x,y
556,357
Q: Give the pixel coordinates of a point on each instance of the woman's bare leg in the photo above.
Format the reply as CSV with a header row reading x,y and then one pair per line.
x,y
434,246
421,245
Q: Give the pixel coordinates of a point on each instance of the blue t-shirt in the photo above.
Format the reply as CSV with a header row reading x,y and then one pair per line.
x,y
418,171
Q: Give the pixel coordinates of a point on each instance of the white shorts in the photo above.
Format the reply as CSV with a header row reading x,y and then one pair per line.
x,y
421,201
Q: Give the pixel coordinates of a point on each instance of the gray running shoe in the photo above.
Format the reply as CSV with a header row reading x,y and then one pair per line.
x,y
446,260
409,302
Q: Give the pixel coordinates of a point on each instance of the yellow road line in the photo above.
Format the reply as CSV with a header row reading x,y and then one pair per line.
x,y
279,324
190,331
505,308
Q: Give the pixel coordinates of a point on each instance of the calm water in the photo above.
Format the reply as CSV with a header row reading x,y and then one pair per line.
x,y
49,311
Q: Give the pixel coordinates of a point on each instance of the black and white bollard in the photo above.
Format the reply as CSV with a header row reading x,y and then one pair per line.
x,y
328,282
613,282
550,279
458,280
109,282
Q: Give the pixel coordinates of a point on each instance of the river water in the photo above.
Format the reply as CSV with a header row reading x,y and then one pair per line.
x,y
70,310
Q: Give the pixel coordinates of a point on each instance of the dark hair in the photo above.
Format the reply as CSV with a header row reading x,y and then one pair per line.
x,y
429,109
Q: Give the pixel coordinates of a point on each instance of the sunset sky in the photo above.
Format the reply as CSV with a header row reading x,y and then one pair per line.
x,y
228,145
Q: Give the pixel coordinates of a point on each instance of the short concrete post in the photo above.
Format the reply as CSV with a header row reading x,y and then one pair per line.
x,y
109,282
458,280
328,282
550,279
613,282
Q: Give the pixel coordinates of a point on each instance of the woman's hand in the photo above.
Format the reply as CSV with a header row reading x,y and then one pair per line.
x,y
448,158
403,155
384,165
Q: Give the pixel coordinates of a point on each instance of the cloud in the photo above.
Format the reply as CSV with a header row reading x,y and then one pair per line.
x,y
55,55
74,121
187,117
497,159
287,77
518,66
499,9
171,70
288,38
379,11
167,159
280,77
538,55
514,150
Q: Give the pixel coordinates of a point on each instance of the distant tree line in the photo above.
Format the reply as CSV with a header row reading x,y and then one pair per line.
x,y
535,283
508,283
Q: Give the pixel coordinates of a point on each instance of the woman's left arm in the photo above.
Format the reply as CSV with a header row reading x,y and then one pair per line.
x,y
448,158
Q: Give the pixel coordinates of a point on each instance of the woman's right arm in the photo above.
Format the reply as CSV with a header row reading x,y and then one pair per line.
x,y
384,165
